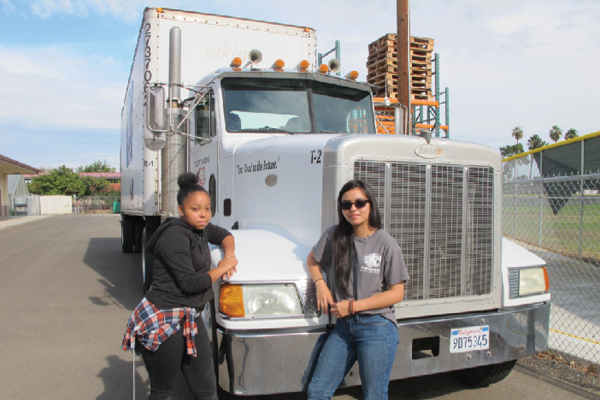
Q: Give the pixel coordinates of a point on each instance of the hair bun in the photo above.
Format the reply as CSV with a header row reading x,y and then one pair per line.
x,y
187,179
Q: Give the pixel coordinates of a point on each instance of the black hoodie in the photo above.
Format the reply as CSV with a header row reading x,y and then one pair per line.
x,y
181,264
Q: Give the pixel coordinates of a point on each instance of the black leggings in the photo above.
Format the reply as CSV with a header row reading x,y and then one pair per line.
x,y
163,366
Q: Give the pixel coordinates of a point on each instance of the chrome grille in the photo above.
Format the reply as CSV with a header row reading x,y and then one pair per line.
x,y
442,218
480,233
445,242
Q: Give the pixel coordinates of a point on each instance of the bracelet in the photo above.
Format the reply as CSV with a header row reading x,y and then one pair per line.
x,y
351,306
318,280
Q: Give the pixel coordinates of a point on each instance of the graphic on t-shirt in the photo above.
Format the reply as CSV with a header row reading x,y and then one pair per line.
x,y
372,262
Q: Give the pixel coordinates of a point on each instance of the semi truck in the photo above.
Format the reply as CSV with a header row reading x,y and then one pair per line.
x,y
272,138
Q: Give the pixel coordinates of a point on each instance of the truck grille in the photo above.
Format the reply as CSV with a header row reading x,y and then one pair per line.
x,y
442,218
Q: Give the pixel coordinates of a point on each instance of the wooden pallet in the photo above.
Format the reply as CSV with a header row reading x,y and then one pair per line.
x,y
392,92
390,80
421,43
413,96
389,40
385,44
382,65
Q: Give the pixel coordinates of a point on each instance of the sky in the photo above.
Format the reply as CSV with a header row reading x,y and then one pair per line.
x,y
64,65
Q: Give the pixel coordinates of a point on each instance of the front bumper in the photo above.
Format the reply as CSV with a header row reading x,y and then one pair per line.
x,y
266,362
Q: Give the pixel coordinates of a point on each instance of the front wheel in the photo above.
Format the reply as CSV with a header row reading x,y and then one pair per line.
x,y
484,376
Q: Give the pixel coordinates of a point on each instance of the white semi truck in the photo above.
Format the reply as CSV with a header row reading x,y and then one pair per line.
x,y
273,137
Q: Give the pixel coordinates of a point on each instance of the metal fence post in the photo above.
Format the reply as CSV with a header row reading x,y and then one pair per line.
x,y
581,186
515,200
541,189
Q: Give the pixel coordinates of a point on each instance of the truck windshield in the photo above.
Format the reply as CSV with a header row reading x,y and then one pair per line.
x,y
295,106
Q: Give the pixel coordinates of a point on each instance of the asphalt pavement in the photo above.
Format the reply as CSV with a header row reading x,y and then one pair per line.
x,y
66,292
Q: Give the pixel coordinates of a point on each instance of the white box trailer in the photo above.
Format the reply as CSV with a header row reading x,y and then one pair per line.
x,y
273,144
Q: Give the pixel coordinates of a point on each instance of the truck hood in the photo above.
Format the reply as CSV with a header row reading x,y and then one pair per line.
x,y
280,258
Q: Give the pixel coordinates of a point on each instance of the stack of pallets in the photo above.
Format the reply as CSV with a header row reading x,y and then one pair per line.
x,y
382,65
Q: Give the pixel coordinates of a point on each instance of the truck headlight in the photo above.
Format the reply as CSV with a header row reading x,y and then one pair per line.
x,y
256,301
528,281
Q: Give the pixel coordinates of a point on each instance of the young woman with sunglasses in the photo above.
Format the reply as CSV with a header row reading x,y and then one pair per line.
x,y
164,326
367,272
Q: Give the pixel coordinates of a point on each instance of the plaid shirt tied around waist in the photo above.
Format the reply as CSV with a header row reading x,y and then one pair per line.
x,y
152,326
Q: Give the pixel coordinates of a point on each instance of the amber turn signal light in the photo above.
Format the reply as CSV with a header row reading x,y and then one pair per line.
x,y
231,301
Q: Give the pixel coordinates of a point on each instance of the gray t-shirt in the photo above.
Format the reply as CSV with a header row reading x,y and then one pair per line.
x,y
378,265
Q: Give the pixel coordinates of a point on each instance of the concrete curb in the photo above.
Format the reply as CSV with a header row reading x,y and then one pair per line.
x,y
21,220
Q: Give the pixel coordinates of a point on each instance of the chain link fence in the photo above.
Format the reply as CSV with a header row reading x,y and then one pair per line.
x,y
96,205
551,206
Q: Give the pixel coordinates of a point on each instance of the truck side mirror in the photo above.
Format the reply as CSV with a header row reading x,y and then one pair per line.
x,y
155,108
154,135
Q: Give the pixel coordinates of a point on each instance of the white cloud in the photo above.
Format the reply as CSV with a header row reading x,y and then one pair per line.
x,y
506,63
530,64
7,6
56,87
123,10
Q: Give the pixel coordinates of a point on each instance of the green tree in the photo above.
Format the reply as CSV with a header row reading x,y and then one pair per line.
x,y
517,133
511,150
535,142
570,134
96,166
555,133
95,186
60,181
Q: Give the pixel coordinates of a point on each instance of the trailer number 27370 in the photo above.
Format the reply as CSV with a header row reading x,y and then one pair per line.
x,y
315,156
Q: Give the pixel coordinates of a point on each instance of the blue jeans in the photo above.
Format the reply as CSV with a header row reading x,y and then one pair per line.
x,y
370,339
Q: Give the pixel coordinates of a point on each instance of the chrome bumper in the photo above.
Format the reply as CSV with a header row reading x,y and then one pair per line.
x,y
254,363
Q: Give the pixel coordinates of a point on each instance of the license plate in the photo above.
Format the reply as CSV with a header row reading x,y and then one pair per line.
x,y
470,339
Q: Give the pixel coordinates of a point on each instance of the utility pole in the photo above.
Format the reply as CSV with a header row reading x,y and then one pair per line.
x,y
403,38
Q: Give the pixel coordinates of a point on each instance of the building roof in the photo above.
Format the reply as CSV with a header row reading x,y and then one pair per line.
x,y
10,166
110,176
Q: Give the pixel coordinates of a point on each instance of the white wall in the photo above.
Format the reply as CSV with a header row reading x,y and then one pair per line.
x,y
56,205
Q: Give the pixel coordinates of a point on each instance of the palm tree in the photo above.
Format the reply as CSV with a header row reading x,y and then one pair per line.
x,y
571,133
535,142
517,133
555,133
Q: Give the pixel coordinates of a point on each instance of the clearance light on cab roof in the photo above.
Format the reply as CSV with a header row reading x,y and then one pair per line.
x,y
278,65
231,301
160,9
352,75
236,62
304,64
323,68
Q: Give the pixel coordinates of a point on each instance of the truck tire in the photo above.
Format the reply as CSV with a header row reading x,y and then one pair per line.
x,y
147,257
484,376
139,230
127,234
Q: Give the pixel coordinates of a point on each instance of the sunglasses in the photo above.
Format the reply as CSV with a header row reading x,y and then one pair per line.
x,y
347,205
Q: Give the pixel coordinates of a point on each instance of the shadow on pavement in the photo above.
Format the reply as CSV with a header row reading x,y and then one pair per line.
x,y
121,273
118,382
